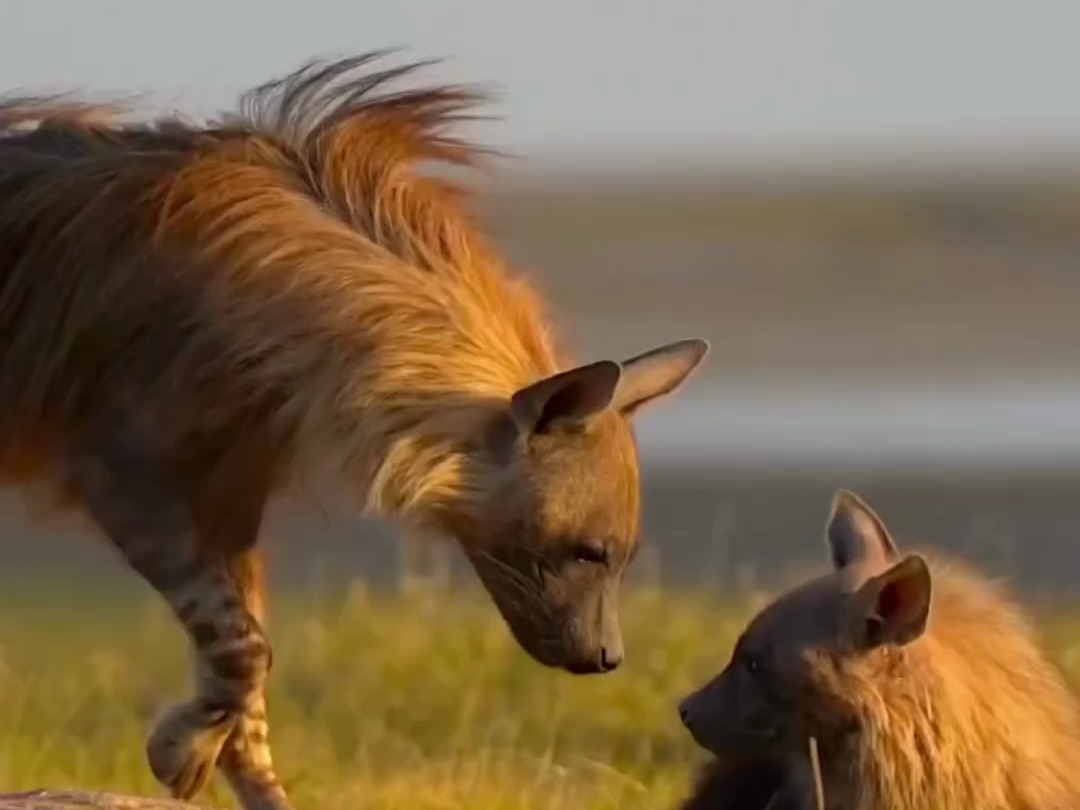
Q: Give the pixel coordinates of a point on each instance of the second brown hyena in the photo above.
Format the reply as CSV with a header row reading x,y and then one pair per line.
x,y
924,685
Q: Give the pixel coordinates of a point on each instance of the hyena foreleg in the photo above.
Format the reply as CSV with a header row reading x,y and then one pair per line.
x,y
246,758
214,592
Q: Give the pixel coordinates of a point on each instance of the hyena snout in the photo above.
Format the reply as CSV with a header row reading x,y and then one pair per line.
x,y
611,657
606,657
597,639
703,714
558,619
688,712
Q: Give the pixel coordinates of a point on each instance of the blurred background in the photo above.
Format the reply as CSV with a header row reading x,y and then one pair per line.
x,y
872,211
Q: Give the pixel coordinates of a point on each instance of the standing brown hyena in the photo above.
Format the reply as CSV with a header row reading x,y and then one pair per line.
x,y
193,315
923,684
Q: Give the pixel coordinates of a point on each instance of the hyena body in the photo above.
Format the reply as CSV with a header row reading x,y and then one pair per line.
x,y
753,783
923,684
194,315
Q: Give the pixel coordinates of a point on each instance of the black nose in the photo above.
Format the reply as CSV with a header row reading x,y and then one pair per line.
x,y
684,713
609,659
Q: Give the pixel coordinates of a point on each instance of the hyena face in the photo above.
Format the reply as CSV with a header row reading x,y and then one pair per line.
x,y
559,521
792,672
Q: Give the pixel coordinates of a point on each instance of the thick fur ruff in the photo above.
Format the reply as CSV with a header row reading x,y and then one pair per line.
x,y
277,289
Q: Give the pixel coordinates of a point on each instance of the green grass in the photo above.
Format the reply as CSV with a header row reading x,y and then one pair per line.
x,y
377,701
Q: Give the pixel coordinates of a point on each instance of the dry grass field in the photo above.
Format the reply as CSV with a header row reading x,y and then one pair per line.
x,y
379,700
420,700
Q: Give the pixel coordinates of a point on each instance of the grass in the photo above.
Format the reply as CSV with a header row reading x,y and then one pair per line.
x,y
377,701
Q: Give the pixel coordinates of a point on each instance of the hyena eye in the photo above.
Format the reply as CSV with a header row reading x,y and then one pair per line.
x,y
753,663
590,553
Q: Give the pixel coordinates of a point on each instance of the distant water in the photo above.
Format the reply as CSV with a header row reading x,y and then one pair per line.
x,y
1003,424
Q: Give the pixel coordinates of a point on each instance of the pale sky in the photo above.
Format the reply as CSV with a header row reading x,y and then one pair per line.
x,y
609,79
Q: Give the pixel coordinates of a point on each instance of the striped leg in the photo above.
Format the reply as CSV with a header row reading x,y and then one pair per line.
x,y
246,759
233,659
156,534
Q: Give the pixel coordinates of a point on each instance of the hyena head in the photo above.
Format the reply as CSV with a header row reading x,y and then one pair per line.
x,y
554,522
802,661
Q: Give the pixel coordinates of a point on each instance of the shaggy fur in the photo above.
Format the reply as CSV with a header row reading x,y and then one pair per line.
x,y
230,274
970,714
193,315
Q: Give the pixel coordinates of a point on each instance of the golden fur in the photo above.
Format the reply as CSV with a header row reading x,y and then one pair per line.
x,y
287,273
972,715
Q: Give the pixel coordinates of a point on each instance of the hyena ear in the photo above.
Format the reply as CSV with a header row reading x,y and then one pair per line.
x,y
855,533
894,607
657,372
569,396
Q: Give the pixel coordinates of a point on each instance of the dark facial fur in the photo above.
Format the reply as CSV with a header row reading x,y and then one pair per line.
x,y
780,687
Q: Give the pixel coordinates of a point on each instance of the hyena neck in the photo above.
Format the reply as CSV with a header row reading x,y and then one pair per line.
x,y
415,459
422,471
402,405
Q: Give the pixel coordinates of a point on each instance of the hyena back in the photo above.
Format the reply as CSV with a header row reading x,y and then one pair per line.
x,y
923,684
195,315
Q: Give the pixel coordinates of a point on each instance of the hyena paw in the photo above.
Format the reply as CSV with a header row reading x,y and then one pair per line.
x,y
184,746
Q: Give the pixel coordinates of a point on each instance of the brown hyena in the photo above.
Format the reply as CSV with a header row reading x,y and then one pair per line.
x,y
193,315
750,783
923,684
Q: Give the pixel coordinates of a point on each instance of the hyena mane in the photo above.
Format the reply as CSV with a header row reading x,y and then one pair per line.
x,y
196,314
284,274
920,696
976,714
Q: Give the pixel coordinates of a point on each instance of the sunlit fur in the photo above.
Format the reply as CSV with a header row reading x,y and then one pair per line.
x,y
194,315
972,714
287,274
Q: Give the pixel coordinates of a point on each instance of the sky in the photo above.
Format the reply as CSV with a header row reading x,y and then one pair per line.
x,y
615,80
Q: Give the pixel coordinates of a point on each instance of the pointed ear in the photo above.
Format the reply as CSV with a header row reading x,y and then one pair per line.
x,y
569,396
657,372
894,607
855,534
